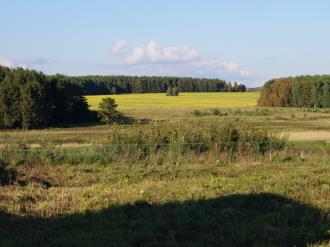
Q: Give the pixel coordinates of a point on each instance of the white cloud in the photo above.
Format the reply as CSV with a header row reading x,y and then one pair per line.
x,y
153,59
153,53
136,56
6,62
119,47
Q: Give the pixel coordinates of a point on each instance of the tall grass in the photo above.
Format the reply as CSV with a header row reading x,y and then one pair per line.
x,y
230,139
155,143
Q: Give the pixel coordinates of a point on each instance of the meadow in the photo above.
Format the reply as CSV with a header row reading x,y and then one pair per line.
x,y
200,169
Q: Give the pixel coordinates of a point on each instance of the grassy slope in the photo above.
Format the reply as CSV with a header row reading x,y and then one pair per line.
x,y
242,204
184,100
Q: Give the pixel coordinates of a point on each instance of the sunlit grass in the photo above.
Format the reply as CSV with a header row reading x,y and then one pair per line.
x,y
184,100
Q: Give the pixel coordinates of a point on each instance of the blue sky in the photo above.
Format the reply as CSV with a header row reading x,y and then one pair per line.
x,y
244,40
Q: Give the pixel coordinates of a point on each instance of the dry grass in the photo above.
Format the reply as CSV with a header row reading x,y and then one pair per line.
x,y
309,136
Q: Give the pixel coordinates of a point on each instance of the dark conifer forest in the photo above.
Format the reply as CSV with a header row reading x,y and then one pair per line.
x,y
30,99
95,85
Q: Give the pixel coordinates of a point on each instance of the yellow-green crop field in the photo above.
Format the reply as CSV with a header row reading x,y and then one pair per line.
x,y
184,100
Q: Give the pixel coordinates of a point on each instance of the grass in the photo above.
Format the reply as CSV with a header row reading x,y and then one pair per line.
x,y
284,203
184,100
154,142
306,124
193,198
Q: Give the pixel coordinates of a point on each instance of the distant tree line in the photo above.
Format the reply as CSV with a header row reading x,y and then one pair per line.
x,y
30,99
301,91
95,85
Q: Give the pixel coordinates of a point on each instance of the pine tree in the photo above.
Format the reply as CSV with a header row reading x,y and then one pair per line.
x,y
9,105
108,113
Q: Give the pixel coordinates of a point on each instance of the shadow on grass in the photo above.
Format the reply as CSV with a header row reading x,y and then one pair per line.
x,y
122,119
235,220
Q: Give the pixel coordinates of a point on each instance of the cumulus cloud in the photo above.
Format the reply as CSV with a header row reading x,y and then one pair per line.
x,y
170,54
136,56
153,53
119,47
153,59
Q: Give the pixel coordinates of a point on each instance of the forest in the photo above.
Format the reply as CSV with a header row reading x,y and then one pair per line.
x,y
300,91
30,99
98,85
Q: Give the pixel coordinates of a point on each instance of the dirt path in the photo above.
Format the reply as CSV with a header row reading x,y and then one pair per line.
x,y
309,136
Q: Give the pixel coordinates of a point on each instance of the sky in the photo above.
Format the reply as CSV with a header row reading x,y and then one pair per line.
x,y
249,41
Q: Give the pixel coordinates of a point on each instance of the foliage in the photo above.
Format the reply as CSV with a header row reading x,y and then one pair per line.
x,y
107,111
178,138
29,99
98,85
172,91
155,141
301,91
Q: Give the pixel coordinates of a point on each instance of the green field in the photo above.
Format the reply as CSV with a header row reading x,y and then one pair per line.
x,y
98,185
184,100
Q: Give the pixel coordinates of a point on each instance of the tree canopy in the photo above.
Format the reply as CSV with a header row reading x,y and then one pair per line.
x,y
300,91
30,99
172,91
96,85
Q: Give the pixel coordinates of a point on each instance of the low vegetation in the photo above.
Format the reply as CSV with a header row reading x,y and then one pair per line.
x,y
155,143
187,203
